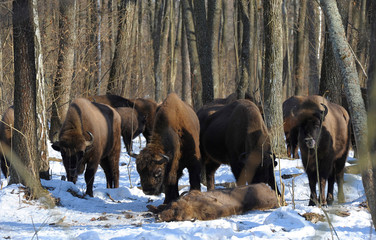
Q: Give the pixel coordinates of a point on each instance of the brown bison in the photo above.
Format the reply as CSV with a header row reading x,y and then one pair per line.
x,y
290,123
235,134
90,135
218,203
132,125
174,146
145,108
323,128
6,124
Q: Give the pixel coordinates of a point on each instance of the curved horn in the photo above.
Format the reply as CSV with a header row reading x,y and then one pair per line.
x,y
325,109
91,141
165,159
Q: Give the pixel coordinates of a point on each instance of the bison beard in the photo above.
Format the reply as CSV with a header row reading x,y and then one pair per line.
x,y
219,203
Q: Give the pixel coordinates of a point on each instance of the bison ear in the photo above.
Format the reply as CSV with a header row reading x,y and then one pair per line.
x,y
56,146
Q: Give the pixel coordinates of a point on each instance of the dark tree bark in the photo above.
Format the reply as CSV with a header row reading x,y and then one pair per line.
x,y
196,77
186,76
64,73
273,74
313,48
204,44
346,63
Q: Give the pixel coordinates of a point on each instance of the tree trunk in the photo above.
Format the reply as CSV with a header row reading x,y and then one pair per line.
x,y
186,76
42,129
204,44
214,24
273,74
25,143
301,53
314,28
346,63
64,73
196,77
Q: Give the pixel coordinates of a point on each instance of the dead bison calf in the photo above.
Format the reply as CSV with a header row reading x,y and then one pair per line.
x,y
174,146
89,136
323,127
6,124
220,203
235,134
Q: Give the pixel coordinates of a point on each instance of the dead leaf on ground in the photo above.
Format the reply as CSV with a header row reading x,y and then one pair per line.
x,y
313,217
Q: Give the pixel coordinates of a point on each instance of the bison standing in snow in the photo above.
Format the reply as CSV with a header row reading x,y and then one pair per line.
x,y
174,146
236,134
90,136
323,128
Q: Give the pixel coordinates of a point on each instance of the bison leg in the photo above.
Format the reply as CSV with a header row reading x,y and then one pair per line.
x,y
341,194
171,192
211,167
322,191
329,197
194,175
312,179
111,169
128,144
89,178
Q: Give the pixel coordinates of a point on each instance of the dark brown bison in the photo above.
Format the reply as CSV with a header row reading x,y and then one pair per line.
x,y
219,203
290,123
323,127
90,135
132,125
145,108
235,134
174,146
6,130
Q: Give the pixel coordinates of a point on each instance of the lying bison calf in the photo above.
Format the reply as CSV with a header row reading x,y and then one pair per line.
x,y
220,203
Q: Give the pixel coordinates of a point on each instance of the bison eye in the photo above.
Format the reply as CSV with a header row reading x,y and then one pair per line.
x,y
158,173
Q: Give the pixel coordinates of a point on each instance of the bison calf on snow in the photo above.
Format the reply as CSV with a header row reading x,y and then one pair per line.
x,y
323,127
174,146
220,203
89,136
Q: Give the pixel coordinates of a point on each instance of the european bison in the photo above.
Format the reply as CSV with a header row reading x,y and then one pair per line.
x,y
290,123
219,203
145,108
235,134
323,127
132,125
5,137
174,146
90,135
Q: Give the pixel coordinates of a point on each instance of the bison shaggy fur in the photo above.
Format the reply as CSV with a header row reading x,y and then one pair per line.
x,y
6,124
90,136
323,127
236,134
219,203
174,146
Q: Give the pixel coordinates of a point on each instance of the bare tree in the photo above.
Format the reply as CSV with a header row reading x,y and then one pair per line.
x,y
345,60
273,74
196,77
64,72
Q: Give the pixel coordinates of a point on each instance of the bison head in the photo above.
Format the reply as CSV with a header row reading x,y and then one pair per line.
x,y
151,166
72,148
311,126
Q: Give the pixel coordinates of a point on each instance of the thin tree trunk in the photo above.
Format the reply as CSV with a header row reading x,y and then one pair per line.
x,y
273,74
186,76
314,47
64,73
300,82
42,150
196,77
346,63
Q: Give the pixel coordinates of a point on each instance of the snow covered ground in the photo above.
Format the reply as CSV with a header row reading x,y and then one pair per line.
x,y
122,214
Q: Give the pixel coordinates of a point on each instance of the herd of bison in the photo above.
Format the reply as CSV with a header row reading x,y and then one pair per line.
x,y
226,131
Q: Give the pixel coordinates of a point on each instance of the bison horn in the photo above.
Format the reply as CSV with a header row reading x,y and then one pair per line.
x,y
165,159
325,112
91,141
